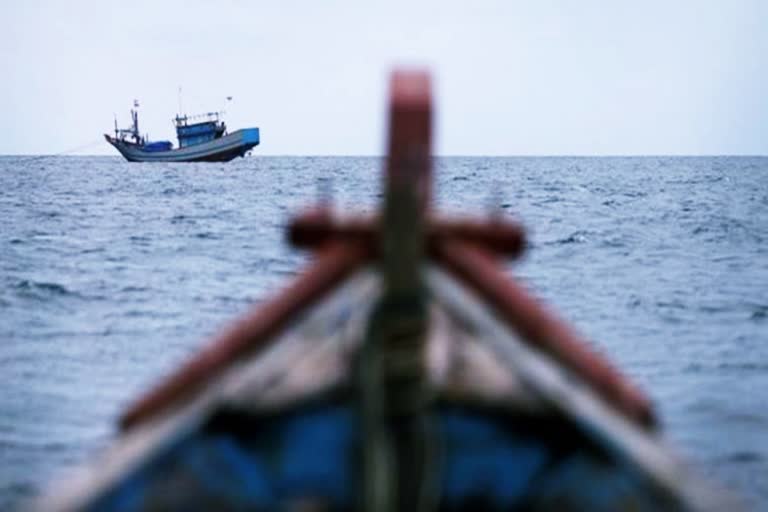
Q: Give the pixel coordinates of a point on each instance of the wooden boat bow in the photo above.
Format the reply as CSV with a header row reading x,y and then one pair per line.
x,y
404,356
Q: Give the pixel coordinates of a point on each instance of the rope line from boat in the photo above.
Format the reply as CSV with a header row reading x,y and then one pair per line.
x,y
82,147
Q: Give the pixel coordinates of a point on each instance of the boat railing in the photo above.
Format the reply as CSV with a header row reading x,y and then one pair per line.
x,y
183,120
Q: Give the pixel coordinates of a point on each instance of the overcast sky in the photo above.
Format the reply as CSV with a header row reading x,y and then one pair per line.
x,y
511,78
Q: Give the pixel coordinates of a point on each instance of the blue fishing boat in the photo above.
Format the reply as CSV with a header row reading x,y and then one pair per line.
x,y
202,138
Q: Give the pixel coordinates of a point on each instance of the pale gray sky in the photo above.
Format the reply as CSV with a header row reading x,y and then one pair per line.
x,y
538,77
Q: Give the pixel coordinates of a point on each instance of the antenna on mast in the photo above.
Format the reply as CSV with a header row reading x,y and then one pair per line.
x,y
135,116
226,105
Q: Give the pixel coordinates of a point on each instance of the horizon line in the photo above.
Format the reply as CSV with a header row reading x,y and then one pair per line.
x,y
450,155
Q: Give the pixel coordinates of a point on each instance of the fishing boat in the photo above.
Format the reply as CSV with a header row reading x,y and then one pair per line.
x,y
202,138
402,369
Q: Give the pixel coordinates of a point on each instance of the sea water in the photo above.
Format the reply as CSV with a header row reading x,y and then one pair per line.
x,y
112,273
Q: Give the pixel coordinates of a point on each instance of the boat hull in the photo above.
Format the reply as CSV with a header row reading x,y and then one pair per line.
x,y
223,149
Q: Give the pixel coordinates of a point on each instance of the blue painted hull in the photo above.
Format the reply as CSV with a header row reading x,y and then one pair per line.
x,y
223,149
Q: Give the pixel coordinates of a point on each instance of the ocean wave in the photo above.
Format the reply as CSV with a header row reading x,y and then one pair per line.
x,y
577,237
759,312
744,457
27,287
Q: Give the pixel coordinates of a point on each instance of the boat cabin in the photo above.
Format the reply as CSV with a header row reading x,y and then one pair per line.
x,y
190,134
